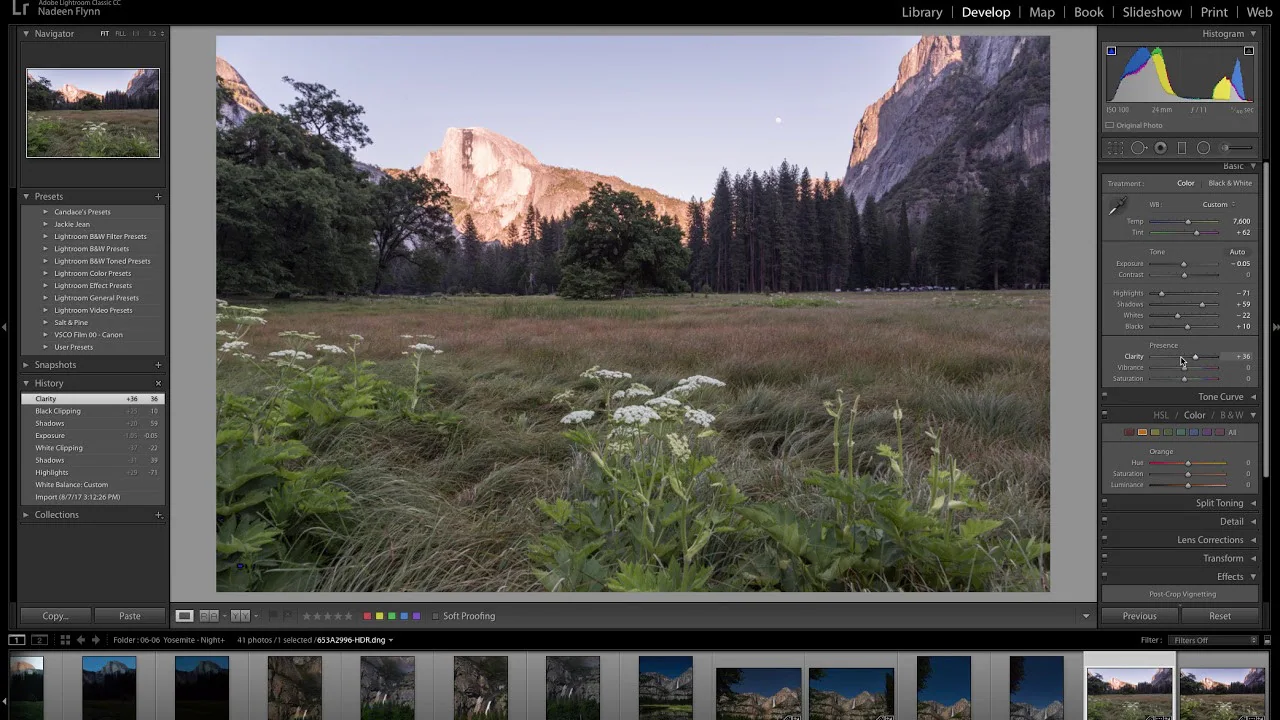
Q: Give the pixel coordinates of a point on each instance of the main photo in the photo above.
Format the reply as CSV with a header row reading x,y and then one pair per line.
x,y
632,313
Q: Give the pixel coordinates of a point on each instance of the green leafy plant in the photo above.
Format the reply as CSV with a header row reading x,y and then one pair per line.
x,y
656,516
652,508
279,511
876,536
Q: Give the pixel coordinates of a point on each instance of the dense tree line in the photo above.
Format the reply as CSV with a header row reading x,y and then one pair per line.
x,y
525,262
118,100
41,96
781,230
784,231
297,214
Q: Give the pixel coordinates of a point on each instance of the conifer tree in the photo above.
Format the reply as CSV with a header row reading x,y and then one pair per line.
x,y
993,258
697,219
720,230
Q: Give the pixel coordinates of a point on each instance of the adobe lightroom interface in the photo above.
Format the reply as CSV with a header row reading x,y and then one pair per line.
x,y
363,366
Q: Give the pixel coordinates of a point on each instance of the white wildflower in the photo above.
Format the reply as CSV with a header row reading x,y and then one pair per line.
x,y
636,390
254,311
406,337
701,418
422,347
231,346
290,354
358,338
663,401
578,416
223,303
565,397
599,373
219,317
331,349
243,356
696,381
225,333
679,447
897,414
251,320
429,337
299,335
635,415
437,352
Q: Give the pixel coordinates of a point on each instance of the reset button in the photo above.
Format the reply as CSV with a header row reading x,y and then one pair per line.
x,y
1219,616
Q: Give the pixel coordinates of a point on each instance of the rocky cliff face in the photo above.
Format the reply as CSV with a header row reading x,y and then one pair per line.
x,y
1162,680
74,94
479,687
204,670
145,80
783,704
657,689
834,706
491,177
933,710
1027,711
294,687
976,97
387,681
570,678
243,100
1255,680
495,179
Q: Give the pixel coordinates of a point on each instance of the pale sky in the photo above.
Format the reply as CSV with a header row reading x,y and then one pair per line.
x,y
1222,675
1129,675
99,80
35,662
663,112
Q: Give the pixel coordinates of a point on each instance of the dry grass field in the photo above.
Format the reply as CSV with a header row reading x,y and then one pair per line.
x,y
93,133
456,511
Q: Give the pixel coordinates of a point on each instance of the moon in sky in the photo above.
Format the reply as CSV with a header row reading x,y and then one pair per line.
x,y
778,120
